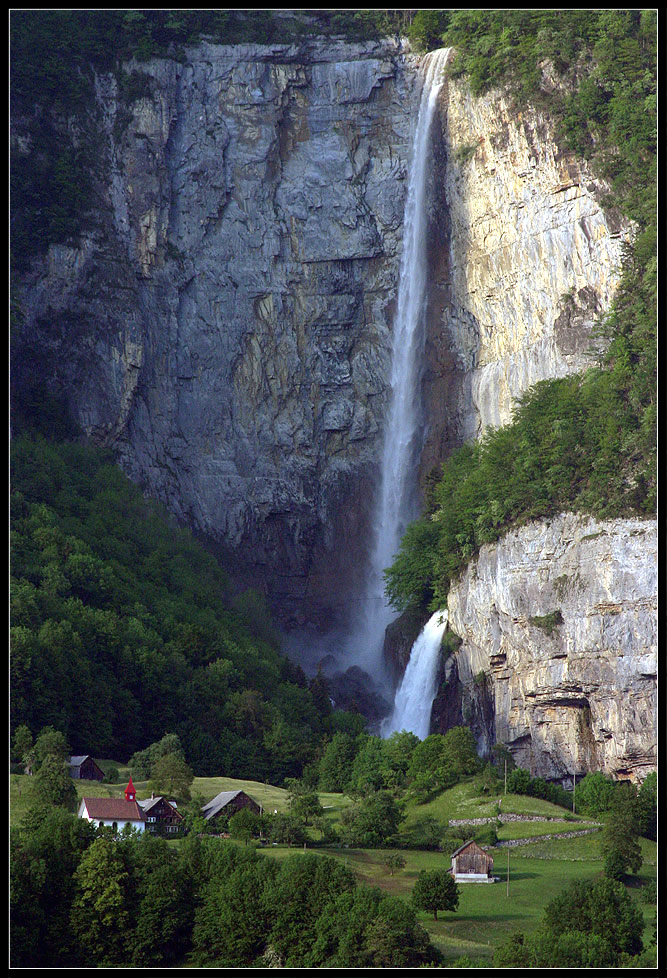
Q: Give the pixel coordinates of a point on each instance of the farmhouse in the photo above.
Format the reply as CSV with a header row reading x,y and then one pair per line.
x,y
115,812
160,813
228,803
82,766
470,864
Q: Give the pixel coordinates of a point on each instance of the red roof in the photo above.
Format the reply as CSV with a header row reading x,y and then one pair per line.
x,y
113,808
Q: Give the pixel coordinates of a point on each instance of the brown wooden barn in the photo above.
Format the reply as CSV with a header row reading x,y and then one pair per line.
x,y
471,864
82,766
229,803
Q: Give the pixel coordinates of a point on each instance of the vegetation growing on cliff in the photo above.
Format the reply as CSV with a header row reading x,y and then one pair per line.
x,y
582,443
579,443
604,90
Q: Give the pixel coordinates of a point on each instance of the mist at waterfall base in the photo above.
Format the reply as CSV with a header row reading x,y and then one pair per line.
x,y
352,659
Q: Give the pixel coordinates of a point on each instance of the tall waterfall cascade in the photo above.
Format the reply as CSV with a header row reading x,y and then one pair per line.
x,y
414,697
397,501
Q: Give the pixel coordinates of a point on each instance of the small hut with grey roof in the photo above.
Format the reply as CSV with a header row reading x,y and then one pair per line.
x,y
83,767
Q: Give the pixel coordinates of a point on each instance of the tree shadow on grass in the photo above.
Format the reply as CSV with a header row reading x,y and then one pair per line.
x,y
496,917
513,877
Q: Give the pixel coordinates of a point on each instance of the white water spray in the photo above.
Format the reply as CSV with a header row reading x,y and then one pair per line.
x,y
414,697
403,432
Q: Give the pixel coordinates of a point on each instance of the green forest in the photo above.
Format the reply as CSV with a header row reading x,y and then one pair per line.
x,y
138,902
123,629
129,899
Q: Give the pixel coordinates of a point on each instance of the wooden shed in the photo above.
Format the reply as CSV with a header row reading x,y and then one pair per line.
x,y
471,864
82,766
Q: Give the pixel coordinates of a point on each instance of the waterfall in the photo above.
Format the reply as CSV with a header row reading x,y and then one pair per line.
x,y
397,502
414,697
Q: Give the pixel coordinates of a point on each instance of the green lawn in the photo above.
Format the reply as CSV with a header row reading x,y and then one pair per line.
x,y
527,830
267,796
487,913
20,795
463,802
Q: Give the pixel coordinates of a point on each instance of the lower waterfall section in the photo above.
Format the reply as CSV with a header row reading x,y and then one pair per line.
x,y
416,692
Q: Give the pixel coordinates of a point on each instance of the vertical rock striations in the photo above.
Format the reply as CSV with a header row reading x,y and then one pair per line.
x,y
528,263
226,324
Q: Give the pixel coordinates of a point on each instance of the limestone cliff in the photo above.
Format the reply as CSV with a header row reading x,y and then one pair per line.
x,y
225,326
526,264
558,621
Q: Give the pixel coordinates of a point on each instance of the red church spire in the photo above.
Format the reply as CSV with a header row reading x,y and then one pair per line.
x,y
129,791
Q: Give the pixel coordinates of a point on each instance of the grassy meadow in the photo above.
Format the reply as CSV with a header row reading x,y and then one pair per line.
x,y
487,913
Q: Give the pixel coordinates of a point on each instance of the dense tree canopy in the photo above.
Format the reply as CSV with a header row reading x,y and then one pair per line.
x,y
82,898
122,632
590,924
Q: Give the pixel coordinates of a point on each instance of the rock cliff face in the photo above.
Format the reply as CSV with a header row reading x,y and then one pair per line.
x,y
225,326
527,263
558,622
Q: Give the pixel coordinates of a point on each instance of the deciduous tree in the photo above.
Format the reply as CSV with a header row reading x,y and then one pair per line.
x,y
244,825
172,776
394,861
101,909
53,785
619,845
435,890
372,821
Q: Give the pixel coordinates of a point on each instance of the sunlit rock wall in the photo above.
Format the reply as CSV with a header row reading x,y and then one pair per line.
x,y
559,628
530,262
